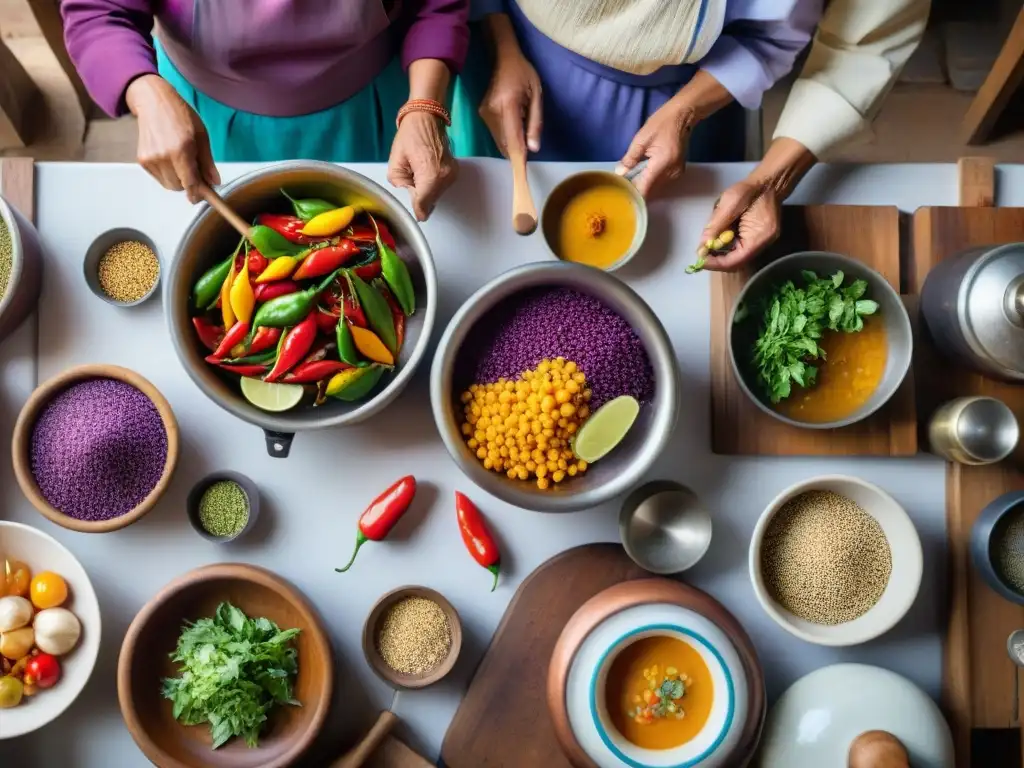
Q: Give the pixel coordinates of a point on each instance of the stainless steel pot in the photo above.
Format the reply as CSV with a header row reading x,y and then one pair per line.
x,y
208,238
26,279
973,305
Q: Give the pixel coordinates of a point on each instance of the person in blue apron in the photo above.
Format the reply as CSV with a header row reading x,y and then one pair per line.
x,y
626,80
339,80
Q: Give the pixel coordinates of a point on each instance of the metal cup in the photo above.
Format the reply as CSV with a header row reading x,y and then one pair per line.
x,y
973,431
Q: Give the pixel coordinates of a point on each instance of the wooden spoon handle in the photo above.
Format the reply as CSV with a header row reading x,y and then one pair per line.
x,y
524,213
358,755
220,206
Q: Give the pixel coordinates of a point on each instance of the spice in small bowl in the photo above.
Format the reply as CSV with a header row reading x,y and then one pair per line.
x,y
122,267
412,637
223,506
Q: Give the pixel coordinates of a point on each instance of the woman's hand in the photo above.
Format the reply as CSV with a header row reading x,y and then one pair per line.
x,y
514,94
173,144
663,140
421,161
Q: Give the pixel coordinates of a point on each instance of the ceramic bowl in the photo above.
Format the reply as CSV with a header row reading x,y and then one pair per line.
x,y
986,532
891,310
252,495
554,207
619,470
624,614
904,581
41,552
26,279
373,623
153,635
22,445
102,244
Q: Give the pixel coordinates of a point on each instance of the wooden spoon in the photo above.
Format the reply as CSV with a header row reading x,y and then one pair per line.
x,y
209,194
878,749
361,752
524,213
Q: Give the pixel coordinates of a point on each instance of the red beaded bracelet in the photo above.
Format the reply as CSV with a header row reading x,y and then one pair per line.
x,y
429,106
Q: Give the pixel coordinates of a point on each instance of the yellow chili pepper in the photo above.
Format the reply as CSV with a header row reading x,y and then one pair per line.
x,y
329,222
371,347
242,298
279,269
225,298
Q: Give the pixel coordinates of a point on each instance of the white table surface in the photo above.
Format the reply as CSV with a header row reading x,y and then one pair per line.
x,y
311,501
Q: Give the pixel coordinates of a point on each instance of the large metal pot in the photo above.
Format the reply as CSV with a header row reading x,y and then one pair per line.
x,y
973,305
26,279
208,238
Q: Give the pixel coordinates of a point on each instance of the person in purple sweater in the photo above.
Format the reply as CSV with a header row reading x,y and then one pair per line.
x,y
263,80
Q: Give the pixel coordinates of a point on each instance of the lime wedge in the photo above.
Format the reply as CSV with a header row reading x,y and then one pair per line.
x,y
271,397
605,428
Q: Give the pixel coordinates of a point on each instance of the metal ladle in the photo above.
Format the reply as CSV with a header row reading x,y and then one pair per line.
x,y
1015,648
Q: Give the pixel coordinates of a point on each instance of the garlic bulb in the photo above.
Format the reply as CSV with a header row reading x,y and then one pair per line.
x,y
16,643
15,613
57,631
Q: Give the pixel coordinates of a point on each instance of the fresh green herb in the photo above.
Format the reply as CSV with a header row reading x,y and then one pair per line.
x,y
794,319
234,670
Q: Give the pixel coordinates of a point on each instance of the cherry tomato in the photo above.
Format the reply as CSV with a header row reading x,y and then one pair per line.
x,y
42,671
48,590
11,690
18,578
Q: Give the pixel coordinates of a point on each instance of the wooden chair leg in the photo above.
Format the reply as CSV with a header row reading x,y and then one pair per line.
x,y
1003,80
19,100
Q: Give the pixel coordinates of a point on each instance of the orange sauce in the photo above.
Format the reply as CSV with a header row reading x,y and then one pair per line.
x,y
597,226
852,370
626,682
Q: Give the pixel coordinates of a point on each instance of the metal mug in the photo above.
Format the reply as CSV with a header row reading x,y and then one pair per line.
x,y
973,431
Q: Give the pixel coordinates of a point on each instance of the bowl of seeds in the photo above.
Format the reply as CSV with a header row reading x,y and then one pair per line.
x,y
997,545
412,637
835,561
21,268
223,506
122,267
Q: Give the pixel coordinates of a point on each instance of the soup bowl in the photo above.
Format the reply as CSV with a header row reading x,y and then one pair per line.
x,y
899,336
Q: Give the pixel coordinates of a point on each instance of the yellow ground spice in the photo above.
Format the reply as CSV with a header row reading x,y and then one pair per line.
x,y
6,258
128,271
414,636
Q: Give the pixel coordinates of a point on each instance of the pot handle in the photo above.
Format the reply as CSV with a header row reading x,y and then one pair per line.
x,y
279,444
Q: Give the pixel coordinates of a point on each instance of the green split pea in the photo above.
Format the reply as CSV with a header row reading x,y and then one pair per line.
x,y
224,509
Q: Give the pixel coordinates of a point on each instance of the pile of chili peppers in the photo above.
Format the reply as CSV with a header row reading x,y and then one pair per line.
x,y
317,297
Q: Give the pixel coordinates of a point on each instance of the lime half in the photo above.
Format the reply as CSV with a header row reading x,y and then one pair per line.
x,y
605,428
271,397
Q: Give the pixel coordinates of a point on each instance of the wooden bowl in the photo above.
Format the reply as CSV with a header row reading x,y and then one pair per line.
x,y
153,635
21,445
376,661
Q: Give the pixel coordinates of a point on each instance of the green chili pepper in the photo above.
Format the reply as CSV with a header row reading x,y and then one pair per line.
x,y
257,359
347,351
292,308
309,207
378,313
273,244
396,274
207,288
355,383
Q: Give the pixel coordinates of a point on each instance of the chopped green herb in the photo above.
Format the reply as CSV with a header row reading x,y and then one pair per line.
x,y
794,319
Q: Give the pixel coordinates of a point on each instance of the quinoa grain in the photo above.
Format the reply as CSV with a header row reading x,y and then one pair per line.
x,y
128,271
6,258
414,636
1008,548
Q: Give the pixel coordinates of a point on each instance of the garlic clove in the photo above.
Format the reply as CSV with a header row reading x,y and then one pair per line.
x,y
15,613
57,631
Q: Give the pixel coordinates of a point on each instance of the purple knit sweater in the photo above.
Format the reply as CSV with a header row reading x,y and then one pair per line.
x,y
270,57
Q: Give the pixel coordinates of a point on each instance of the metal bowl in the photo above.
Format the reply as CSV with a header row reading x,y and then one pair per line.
x,y
973,430
986,534
618,471
663,528
26,278
195,496
103,243
891,310
209,238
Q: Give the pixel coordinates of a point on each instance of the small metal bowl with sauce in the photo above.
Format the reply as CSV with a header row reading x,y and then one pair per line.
x,y
558,202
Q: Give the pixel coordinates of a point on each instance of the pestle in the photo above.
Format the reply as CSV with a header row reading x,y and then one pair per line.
x,y
878,749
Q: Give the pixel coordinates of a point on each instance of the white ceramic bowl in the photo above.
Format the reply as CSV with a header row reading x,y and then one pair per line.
x,y
41,552
904,582
585,690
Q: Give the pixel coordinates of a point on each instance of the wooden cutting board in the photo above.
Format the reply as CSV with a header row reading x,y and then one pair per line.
x,y
978,676
17,175
738,427
503,719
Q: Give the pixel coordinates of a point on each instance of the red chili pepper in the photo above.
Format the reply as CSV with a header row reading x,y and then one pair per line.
x,y
353,311
209,334
368,271
476,537
267,291
397,315
296,344
312,372
365,233
288,226
325,260
235,336
257,263
382,514
326,322
254,371
264,339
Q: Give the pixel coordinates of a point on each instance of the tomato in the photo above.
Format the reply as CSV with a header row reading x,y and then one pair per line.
x,y
42,671
48,590
18,578
11,690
